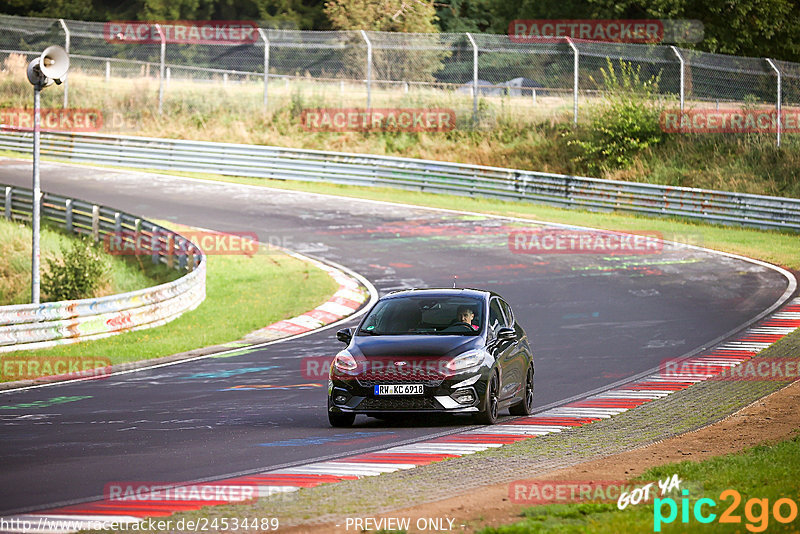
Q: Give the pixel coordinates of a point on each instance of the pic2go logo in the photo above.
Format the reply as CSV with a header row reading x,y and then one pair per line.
x,y
756,511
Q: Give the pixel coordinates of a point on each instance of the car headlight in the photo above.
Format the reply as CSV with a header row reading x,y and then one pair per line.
x,y
344,361
469,359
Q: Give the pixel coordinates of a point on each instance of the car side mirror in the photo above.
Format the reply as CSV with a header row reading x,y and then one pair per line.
x,y
506,334
344,335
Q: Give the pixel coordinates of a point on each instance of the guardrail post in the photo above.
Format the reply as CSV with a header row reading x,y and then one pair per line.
x,y
567,194
161,69
66,49
8,203
369,69
778,103
683,73
169,250
137,236
68,215
96,222
576,63
118,223
154,244
183,252
474,78
266,66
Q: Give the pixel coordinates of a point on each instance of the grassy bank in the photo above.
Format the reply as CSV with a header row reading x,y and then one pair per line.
x,y
243,293
124,274
513,132
761,476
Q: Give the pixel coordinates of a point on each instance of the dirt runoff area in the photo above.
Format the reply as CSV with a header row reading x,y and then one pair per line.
x,y
769,420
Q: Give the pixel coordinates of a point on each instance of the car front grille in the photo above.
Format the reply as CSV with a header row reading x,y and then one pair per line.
x,y
413,373
399,403
364,382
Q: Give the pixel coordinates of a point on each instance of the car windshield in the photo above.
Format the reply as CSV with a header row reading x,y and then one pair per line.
x,y
419,315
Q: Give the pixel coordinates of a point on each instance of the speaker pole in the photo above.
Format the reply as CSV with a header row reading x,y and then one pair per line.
x,y
51,66
37,89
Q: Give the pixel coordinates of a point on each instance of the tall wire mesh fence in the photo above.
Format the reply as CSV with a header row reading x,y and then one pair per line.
x,y
385,68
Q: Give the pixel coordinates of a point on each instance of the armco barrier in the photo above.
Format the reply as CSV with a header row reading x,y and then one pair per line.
x,y
434,176
32,326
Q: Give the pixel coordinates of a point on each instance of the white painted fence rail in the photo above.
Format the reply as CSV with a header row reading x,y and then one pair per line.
x,y
32,326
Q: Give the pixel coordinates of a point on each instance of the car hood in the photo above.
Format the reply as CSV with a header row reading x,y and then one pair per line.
x,y
419,346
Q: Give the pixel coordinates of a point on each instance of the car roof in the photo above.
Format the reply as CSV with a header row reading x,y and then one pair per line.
x,y
440,292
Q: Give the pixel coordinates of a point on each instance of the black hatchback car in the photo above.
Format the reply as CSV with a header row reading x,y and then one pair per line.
x,y
457,351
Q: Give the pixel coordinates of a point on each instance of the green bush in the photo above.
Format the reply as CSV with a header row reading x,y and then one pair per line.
x,y
77,274
626,123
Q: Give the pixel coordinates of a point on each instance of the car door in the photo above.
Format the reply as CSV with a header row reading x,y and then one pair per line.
x,y
503,351
517,360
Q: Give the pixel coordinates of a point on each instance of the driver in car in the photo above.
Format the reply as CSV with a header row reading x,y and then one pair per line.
x,y
464,314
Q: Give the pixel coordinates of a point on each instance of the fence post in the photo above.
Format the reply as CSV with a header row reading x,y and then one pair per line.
x,y
369,69
161,69
778,103
263,35
108,71
66,49
474,78
683,73
68,216
574,81
155,244
96,222
8,203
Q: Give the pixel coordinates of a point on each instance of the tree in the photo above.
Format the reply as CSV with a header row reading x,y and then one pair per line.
x,y
416,16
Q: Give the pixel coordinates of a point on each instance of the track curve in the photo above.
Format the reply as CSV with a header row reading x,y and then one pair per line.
x,y
593,319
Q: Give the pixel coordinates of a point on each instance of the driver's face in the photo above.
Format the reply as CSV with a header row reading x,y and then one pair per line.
x,y
466,316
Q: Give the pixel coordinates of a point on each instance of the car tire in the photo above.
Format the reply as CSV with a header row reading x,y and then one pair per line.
x,y
525,406
491,402
341,419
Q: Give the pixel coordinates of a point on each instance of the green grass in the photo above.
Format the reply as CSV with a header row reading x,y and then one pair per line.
x,y
243,293
769,472
125,273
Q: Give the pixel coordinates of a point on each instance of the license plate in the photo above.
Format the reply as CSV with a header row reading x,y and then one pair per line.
x,y
399,389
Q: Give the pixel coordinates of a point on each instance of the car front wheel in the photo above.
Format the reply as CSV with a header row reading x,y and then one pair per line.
x,y
341,419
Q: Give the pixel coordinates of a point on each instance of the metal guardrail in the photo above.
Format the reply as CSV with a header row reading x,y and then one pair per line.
x,y
33,326
422,175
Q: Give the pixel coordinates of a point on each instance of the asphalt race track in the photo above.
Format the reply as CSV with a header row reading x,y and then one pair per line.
x,y
594,319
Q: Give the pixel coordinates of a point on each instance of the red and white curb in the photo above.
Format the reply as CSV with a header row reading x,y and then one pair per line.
x,y
345,302
594,408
